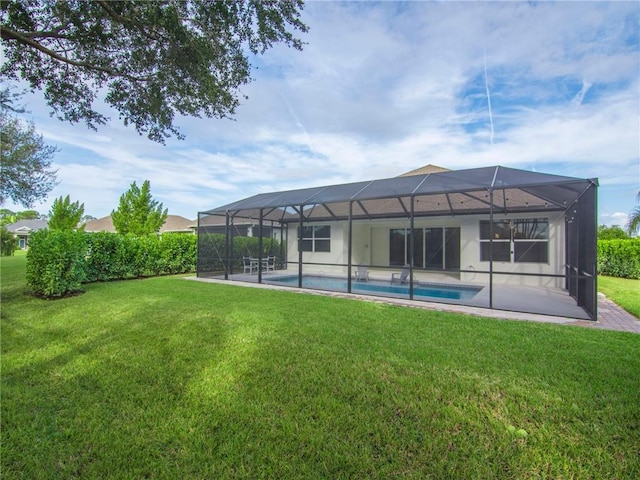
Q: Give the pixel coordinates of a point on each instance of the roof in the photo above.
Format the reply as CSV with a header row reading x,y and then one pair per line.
x,y
27,226
173,223
429,168
104,224
455,192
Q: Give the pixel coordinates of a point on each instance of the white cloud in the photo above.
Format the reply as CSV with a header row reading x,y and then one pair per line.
x,y
383,88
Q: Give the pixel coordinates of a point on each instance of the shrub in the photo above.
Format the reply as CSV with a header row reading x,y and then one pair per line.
x,y
55,262
177,252
106,258
8,242
619,258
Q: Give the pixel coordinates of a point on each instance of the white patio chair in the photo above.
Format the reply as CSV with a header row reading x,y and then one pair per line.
x,y
362,273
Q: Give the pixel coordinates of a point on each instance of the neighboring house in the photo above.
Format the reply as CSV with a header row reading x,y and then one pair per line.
x,y
489,226
173,224
240,227
22,229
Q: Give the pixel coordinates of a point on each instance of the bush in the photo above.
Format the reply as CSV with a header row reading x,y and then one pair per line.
x,y
106,258
619,258
177,253
8,242
55,262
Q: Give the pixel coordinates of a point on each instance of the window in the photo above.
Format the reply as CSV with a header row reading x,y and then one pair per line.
x,y
315,239
520,241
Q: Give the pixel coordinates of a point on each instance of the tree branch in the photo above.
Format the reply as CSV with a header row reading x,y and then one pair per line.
x,y
8,34
125,20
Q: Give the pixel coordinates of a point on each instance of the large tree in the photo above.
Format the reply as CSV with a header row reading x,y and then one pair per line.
x,y
152,58
26,175
65,215
138,213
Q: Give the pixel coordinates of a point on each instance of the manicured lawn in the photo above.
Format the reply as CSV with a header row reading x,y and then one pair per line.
x,y
166,378
623,291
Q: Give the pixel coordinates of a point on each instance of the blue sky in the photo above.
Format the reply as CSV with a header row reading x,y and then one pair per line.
x,y
384,88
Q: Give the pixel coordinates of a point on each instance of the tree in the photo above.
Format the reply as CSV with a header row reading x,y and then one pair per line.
x,y
8,216
8,242
633,224
65,215
138,213
611,233
154,59
26,174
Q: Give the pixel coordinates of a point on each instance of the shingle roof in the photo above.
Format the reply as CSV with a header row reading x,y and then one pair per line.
x,y
27,225
174,223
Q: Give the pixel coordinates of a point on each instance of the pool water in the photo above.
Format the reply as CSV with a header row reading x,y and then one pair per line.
x,y
426,290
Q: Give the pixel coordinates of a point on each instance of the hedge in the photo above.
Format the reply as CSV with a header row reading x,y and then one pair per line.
x,y
58,263
619,258
211,249
55,262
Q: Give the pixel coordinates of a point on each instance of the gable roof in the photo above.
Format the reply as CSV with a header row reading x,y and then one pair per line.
x,y
429,168
27,226
451,192
173,223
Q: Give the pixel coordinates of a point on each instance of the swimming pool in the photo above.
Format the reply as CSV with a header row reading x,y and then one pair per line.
x,y
423,290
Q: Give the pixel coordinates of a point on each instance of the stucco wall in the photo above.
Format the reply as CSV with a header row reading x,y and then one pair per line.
x,y
370,243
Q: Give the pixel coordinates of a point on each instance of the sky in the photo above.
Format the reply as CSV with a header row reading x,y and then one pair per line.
x,y
382,88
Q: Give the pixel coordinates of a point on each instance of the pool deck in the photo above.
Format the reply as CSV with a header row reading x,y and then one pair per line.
x,y
610,315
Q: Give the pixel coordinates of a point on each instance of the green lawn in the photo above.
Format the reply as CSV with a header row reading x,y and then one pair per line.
x,y
623,291
166,378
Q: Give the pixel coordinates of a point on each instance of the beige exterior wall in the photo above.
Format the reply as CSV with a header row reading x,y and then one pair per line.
x,y
370,244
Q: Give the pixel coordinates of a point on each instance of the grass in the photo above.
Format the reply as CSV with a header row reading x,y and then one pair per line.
x,y
165,378
623,291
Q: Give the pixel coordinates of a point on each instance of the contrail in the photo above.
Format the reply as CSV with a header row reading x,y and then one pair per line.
x,y
486,86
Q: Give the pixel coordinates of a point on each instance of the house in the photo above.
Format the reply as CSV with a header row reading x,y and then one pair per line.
x,y
522,237
173,224
22,229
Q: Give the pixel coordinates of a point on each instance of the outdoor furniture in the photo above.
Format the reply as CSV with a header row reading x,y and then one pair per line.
x,y
249,264
362,273
269,263
401,277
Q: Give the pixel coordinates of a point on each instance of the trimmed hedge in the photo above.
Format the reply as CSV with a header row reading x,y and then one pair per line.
x,y
619,258
55,262
58,263
211,251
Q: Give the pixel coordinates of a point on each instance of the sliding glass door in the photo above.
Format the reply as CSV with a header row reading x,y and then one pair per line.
x,y
434,248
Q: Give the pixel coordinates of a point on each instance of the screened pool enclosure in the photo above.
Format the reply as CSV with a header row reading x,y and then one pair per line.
x,y
492,237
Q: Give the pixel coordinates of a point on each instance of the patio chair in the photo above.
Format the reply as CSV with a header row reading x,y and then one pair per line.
x,y
269,263
362,273
401,277
248,265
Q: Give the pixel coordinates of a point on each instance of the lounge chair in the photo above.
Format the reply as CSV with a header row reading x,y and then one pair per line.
x,y
362,273
401,277
248,264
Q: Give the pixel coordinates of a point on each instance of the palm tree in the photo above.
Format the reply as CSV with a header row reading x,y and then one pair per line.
x,y
633,225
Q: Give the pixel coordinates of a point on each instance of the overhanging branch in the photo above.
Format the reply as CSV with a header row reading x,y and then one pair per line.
x,y
8,34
